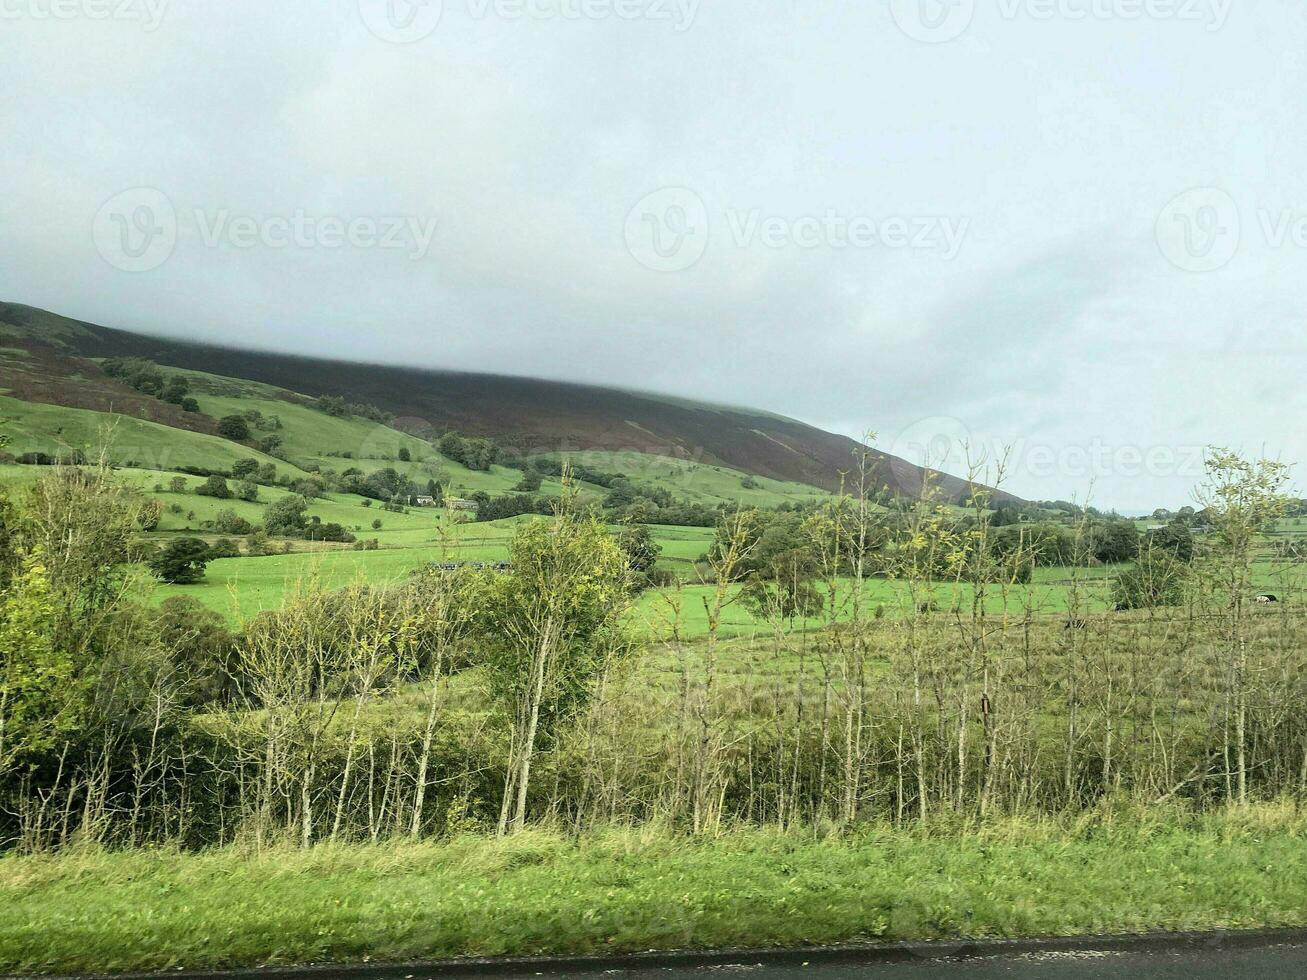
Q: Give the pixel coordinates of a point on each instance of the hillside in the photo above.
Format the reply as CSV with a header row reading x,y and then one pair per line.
x,y
46,360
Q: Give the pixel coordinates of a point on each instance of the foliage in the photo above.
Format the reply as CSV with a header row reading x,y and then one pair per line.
x,y
214,486
234,427
181,562
637,542
1157,579
286,517
35,673
472,452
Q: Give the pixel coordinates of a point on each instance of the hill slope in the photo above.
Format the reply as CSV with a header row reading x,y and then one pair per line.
x,y
532,415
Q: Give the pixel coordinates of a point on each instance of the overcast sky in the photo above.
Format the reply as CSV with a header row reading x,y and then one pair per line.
x,y
1076,227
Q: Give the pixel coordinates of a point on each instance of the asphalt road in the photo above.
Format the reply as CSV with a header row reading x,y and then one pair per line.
x,y
1274,963
1218,961
1248,955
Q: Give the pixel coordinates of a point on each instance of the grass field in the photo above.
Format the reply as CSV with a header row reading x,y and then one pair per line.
x,y
701,482
54,429
625,891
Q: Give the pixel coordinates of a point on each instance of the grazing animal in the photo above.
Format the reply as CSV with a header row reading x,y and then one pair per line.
x,y
1074,624
1267,598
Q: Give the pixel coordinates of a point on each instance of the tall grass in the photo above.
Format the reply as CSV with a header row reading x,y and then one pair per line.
x,y
629,889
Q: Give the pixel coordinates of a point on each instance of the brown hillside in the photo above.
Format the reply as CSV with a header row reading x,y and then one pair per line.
x,y
530,414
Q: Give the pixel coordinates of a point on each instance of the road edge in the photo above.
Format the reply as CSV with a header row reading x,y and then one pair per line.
x,y
848,953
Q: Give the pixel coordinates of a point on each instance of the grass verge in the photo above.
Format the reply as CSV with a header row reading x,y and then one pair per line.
x,y
540,892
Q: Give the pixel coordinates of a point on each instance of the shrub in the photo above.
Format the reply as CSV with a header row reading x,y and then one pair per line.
x,y
1157,580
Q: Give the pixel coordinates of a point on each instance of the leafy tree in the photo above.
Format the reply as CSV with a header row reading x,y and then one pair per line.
x,y
189,404
404,454
319,531
641,550
1175,539
229,522
201,648
182,561
1241,500
550,627
214,486
285,517
247,490
244,469
35,673
176,390
151,514
177,484
234,427
1115,541
530,482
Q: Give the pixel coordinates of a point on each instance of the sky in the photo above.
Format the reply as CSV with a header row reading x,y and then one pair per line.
x,y
1067,233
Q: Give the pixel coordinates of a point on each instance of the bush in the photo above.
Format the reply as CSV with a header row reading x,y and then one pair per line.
x,y
1157,580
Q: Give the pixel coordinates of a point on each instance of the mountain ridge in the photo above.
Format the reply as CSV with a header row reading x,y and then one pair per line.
x,y
531,414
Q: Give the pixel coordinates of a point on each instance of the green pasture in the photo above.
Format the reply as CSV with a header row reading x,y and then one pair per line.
x,y
56,429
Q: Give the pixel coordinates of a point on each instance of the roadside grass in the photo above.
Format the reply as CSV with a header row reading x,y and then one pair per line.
x,y
623,890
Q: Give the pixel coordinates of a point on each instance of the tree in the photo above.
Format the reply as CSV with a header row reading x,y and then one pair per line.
x,y
200,647
550,628
234,427
214,486
404,455
247,490
34,672
1241,500
244,469
151,514
177,484
181,562
176,390
1115,540
229,522
637,542
530,482
1175,539
285,517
